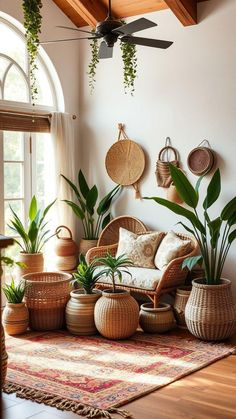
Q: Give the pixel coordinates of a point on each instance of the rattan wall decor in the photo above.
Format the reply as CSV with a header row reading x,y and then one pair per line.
x,y
201,159
162,165
125,161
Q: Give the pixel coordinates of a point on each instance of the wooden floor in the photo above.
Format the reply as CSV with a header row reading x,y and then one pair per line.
x,y
207,393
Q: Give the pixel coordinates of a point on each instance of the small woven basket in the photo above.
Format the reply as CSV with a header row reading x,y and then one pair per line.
x,y
46,296
162,167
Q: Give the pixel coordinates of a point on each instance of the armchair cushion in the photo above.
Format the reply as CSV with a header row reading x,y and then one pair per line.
x,y
171,247
140,249
140,278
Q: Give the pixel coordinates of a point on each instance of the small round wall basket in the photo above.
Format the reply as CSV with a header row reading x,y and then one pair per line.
x,y
201,160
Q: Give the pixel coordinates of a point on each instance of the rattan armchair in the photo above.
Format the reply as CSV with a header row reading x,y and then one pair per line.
x,y
110,234
172,277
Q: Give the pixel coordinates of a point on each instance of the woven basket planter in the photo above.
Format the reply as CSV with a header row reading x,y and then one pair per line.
x,y
181,299
80,312
86,245
116,314
15,318
46,298
210,313
4,358
156,320
34,263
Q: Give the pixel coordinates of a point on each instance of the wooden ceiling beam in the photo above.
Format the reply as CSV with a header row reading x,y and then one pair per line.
x,y
91,11
184,10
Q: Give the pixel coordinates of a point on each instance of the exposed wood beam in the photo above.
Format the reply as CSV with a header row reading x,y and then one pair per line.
x,y
184,10
91,11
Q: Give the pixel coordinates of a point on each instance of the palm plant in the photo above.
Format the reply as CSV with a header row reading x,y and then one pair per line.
x,y
85,208
114,267
34,236
86,275
214,236
14,293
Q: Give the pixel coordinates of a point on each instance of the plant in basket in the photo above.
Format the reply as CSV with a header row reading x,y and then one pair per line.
x,y
116,312
206,314
80,308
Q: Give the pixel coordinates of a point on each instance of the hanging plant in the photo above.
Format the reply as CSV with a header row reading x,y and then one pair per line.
x,y
129,58
32,24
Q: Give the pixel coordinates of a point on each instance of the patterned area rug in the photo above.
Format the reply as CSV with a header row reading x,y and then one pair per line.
x,y
93,376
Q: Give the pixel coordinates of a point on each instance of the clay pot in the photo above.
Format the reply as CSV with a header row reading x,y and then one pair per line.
x,y
156,320
34,263
86,245
66,251
80,312
116,314
181,299
210,312
15,318
172,194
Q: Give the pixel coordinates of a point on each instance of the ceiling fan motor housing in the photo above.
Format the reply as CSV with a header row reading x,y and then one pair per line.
x,y
104,29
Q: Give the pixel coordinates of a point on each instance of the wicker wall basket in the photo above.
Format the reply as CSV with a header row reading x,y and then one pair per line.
x,y
210,313
46,298
162,166
200,160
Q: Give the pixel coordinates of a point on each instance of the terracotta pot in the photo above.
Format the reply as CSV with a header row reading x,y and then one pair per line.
x,y
156,320
116,314
172,194
86,245
80,312
181,299
210,312
15,318
66,251
4,358
34,263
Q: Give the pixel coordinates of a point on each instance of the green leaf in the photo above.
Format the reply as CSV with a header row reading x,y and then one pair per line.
x,y
91,199
187,228
198,183
105,203
191,262
177,209
106,220
213,190
232,219
33,232
73,187
214,228
184,188
232,236
48,208
83,185
77,210
229,209
33,209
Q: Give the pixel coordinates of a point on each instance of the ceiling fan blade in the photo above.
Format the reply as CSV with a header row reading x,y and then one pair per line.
x,y
65,40
105,51
137,25
155,43
74,29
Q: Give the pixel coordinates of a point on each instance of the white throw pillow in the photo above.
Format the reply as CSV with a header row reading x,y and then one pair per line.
x,y
140,249
171,247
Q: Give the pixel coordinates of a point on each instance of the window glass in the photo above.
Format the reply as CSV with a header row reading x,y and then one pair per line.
x,y
15,87
13,146
45,96
17,206
14,47
13,180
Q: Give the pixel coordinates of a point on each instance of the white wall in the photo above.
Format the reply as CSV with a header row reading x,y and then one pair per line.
x,y
187,92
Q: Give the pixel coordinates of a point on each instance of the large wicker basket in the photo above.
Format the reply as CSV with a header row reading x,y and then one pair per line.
x,y
46,296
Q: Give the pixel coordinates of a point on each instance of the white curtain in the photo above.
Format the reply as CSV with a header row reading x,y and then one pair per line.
x,y
63,149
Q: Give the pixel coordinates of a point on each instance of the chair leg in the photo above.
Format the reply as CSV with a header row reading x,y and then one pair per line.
x,y
156,301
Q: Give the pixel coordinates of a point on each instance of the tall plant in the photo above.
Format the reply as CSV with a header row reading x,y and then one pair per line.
x,y
32,24
214,235
35,235
114,267
85,208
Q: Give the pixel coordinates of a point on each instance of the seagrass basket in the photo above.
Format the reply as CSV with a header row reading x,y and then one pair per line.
x,y
163,175
46,296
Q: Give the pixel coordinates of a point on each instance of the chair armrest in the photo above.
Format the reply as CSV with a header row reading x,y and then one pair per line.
x,y
101,251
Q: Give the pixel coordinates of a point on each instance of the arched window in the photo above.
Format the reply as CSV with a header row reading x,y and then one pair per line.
x,y
23,154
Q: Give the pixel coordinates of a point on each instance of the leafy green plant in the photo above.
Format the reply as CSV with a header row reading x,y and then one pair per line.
x,y
114,267
129,57
93,63
214,236
85,209
14,293
32,24
86,275
35,236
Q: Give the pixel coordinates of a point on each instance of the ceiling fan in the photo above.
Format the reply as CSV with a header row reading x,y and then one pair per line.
x,y
110,30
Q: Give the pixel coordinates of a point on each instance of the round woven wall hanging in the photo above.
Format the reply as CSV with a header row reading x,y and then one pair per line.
x,y
125,161
201,160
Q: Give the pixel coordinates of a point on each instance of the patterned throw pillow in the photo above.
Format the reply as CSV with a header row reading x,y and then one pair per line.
x,y
140,249
171,247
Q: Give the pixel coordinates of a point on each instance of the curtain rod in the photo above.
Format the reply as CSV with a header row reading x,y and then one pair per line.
x,y
36,114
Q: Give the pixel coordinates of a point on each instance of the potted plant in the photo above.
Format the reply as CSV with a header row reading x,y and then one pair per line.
x,y
84,209
116,313
33,238
15,316
80,308
210,313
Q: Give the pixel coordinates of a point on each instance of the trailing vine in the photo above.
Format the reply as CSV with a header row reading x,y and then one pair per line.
x,y
32,24
129,58
93,63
